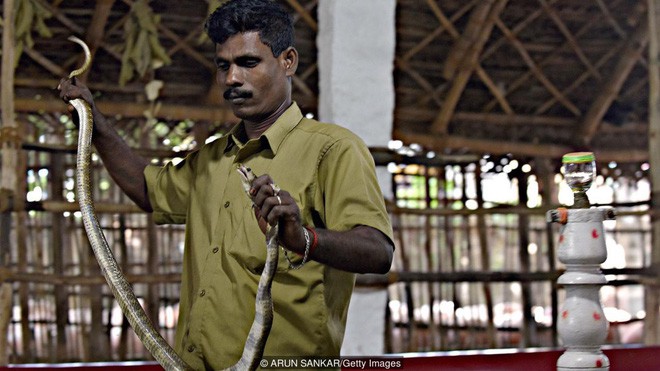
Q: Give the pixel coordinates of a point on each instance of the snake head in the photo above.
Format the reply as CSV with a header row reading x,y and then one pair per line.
x,y
247,177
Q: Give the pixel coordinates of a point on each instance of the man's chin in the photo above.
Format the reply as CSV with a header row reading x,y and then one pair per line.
x,y
241,111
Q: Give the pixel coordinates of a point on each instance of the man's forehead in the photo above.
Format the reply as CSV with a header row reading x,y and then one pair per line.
x,y
242,43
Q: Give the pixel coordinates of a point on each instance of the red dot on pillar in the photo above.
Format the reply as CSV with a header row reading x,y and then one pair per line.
x,y
596,316
594,234
564,314
599,363
561,238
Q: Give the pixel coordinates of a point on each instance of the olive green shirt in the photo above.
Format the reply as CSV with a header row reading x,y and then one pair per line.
x,y
329,172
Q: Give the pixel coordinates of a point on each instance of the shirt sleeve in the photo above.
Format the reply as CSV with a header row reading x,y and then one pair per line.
x,y
168,188
350,189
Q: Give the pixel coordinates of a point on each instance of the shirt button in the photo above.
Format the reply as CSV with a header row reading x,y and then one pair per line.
x,y
215,250
226,204
202,293
191,348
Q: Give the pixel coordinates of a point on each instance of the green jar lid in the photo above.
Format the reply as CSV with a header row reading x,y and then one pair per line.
x,y
578,157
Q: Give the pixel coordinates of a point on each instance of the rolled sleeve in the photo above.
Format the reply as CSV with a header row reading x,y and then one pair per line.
x,y
168,188
350,188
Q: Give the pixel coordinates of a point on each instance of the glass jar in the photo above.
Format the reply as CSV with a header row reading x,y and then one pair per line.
x,y
579,172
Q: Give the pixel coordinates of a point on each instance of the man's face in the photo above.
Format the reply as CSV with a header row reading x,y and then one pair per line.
x,y
253,82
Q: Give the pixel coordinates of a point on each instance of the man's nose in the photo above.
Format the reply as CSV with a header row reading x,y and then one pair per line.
x,y
233,76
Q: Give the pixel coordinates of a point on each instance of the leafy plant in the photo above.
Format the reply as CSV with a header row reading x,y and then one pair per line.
x,y
142,51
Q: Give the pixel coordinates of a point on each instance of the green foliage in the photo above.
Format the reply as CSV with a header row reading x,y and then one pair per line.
x,y
142,51
30,17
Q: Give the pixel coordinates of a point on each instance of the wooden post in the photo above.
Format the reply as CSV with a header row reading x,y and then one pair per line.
x,y
57,235
153,297
9,145
549,191
482,232
5,317
652,301
528,329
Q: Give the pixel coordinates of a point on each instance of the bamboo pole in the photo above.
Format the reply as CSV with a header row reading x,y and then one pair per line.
x,y
652,301
549,192
57,235
479,29
528,328
482,234
123,247
610,89
428,247
153,257
5,317
8,181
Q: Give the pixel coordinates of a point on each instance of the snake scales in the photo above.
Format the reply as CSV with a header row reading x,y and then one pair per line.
x,y
121,289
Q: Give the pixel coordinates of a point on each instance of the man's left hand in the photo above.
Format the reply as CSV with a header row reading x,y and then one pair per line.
x,y
276,205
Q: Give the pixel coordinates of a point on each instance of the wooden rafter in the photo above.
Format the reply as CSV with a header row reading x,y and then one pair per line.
x,y
304,14
522,149
582,78
488,118
402,62
404,66
437,32
45,62
569,38
472,38
479,29
609,91
124,109
423,91
634,89
181,44
492,86
71,25
299,79
517,83
535,69
608,16
515,30
96,30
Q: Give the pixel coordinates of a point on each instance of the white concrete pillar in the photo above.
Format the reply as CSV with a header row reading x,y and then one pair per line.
x,y
356,57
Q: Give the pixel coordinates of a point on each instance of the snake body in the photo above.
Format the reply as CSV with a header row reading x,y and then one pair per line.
x,y
121,289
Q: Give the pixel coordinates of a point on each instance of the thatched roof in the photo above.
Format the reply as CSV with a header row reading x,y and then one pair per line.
x,y
527,77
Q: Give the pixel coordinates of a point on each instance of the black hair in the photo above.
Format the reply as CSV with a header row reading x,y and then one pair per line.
x,y
269,19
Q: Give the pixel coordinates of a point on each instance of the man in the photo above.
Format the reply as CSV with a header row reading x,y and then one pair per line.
x,y
329,206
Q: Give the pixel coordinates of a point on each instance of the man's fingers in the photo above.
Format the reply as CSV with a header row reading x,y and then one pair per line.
x,y
271,209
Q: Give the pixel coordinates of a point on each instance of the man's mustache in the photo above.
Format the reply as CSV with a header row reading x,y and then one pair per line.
x,y
233,93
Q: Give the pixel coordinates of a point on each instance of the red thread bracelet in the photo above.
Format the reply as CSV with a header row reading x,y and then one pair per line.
x,y
315,240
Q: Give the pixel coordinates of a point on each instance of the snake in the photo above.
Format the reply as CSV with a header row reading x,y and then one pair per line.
x,y
119,285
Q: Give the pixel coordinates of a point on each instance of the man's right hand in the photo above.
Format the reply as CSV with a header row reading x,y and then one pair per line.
x,y
71,89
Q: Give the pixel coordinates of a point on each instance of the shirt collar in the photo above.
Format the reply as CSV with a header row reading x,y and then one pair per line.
x,y
274,135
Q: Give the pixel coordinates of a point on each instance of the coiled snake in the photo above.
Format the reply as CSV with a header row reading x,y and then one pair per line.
x,y
121,289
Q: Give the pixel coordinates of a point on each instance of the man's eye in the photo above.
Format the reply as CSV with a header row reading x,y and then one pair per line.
x,y
251,63
223,66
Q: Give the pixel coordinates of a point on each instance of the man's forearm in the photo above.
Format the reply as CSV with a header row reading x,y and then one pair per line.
x,y
361,250
125,166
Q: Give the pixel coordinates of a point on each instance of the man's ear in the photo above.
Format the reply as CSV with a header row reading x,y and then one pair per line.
x,y
289,59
